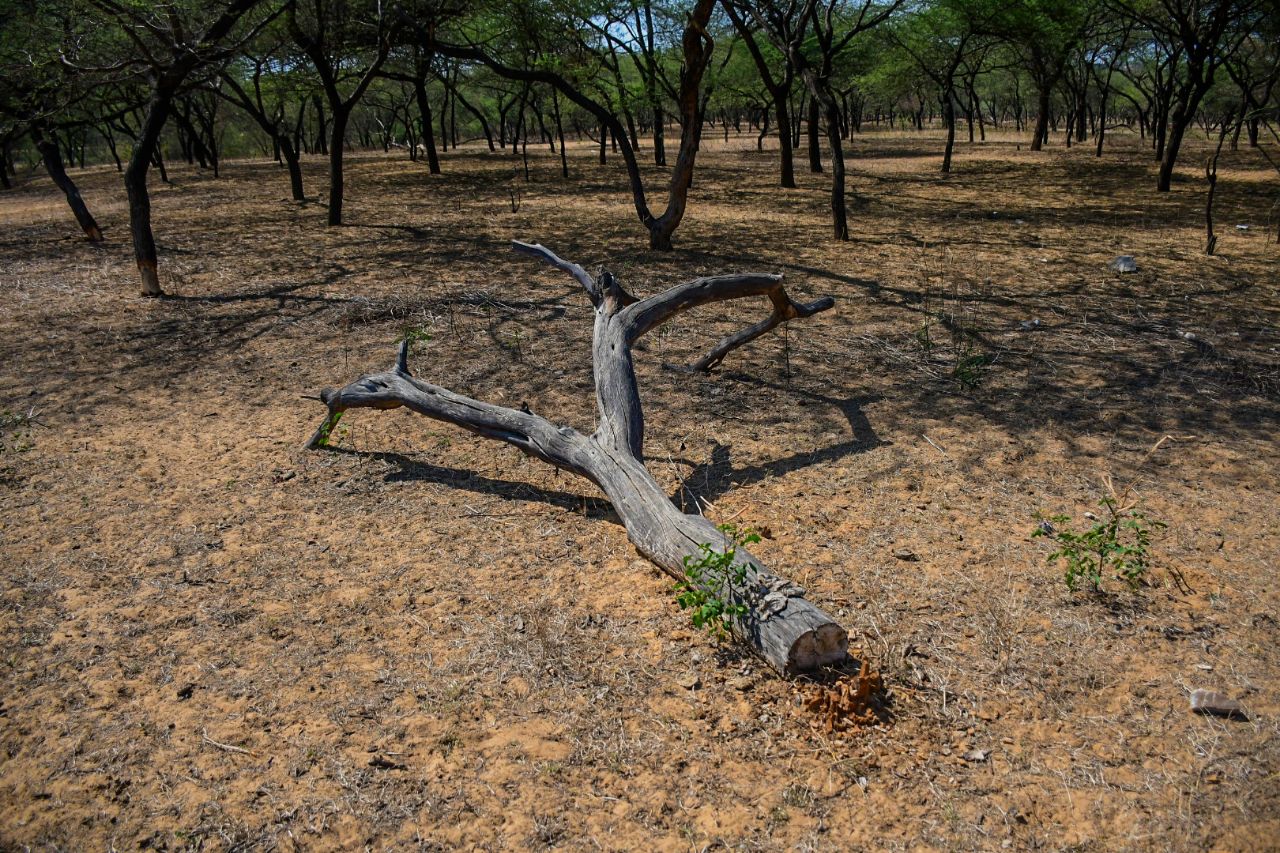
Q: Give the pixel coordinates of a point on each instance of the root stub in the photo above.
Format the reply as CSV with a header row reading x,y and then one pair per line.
x,y
851,701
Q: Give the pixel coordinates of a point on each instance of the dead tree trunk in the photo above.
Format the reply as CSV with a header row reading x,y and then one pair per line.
x,y
779,624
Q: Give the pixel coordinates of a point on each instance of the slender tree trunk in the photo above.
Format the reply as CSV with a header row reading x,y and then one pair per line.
x,y
53,165
295,168
949,114
786,154
1102,123
815,147
659,136
1042,120
484,122
337,142
135,181
839,222
1177,129
555,107
424,121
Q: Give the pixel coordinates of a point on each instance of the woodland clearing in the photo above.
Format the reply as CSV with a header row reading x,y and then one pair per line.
x,y
211,638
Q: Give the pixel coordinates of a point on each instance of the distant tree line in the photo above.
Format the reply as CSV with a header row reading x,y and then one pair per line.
x,y
137,83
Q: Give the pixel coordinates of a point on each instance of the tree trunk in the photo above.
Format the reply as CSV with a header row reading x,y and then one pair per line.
x,y
135,182
53,165
839,221
424,121
337,143
778,624
564,159
1042,120
484,122
949,114
786,153
815,147
1177,128
295,168
659,136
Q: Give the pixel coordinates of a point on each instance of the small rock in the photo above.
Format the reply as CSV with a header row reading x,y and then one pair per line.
x,y
977,755
691,681
742,682
906,554
1029,325
1123,264
1215,704
1188,336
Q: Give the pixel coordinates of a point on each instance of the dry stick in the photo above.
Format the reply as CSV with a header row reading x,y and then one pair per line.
x,y
226,747
780,625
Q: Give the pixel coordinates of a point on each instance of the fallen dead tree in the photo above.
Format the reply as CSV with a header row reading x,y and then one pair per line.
x,y
778,623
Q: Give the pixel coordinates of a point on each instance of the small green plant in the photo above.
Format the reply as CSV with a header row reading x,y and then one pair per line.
x,y
970,368
415,335
924,339
1117,544
16,431
711,579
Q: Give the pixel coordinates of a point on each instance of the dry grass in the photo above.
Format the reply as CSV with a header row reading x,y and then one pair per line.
x,y
210,639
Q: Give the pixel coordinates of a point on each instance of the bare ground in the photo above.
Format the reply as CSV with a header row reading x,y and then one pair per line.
x,y
211,639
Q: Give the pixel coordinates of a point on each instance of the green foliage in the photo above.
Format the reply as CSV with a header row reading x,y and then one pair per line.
x,y
711,580
16,431
414,334
1117,545
970,368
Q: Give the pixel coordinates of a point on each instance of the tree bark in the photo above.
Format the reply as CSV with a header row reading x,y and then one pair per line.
x,y
815,149
424,119
949,114
1042,120
53,165
135,182
779,625
337,143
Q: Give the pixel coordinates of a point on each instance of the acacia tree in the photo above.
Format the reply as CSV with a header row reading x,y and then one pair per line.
x,y
778,74
347,45
474,43
258,85
939,38
43,94
1206,34
815,34
1046,34
168,44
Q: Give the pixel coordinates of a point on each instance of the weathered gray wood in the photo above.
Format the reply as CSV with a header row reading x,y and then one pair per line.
x,y
780,625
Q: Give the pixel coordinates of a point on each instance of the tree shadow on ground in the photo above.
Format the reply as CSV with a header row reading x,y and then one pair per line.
x,y
710,480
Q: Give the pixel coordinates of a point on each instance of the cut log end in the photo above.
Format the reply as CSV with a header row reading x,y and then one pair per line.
x,y
826,645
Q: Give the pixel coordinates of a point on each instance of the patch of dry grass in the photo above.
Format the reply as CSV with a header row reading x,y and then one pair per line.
x,y
212,639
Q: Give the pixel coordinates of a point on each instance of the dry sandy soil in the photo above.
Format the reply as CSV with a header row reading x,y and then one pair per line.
x,y
210,639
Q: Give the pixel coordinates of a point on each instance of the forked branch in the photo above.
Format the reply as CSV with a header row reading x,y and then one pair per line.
x,y
777,622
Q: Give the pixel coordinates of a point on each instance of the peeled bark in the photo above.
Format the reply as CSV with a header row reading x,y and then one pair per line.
x,y
780,625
